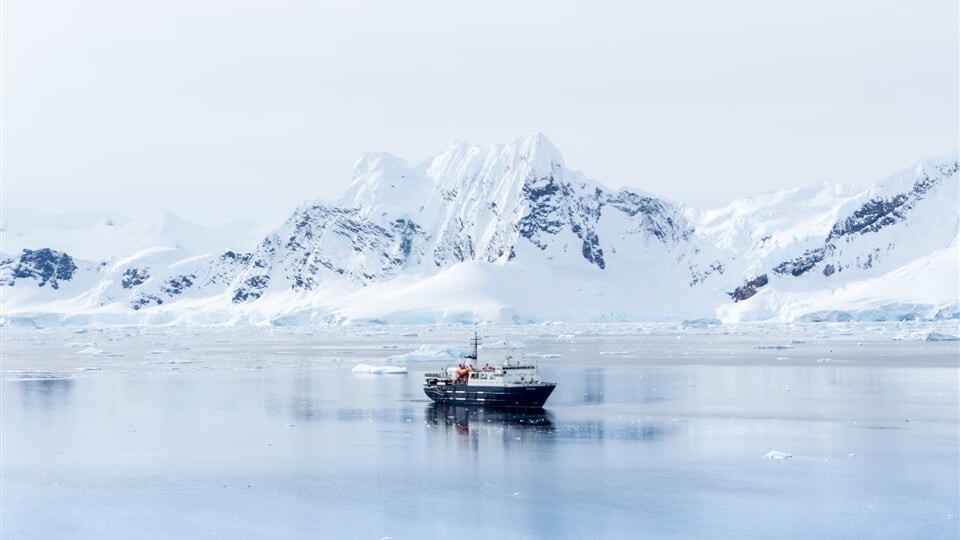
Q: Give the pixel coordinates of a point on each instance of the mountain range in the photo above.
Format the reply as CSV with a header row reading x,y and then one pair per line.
x,y
508,233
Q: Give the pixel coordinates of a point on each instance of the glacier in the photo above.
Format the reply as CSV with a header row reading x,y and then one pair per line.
x,y
507,234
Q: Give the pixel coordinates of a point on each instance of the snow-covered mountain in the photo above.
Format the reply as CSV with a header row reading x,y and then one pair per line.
x,y
509,233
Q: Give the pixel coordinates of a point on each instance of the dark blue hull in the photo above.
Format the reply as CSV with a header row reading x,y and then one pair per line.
x,y
533,396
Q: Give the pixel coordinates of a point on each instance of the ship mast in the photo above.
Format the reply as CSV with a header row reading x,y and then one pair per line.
x,y
476,343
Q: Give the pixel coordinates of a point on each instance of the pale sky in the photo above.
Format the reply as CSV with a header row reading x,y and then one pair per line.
x,y
228,110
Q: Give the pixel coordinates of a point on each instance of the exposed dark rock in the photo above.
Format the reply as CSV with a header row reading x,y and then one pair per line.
x,y
543,211
240,258
698,276
46,266
878,213
659,218
552,206
252,289
133,277
176,285
803,263
874,215
592,250
407,231
144,300
749,288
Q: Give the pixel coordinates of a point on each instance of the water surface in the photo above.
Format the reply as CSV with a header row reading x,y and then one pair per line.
x,y
653,432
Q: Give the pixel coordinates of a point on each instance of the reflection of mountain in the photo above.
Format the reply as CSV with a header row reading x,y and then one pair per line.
x,y
476,419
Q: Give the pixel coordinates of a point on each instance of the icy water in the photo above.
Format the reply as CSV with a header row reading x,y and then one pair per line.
x,y
653,432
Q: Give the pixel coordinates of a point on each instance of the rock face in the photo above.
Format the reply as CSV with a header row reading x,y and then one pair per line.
x,y
467,205
517,208
749,288
45,266
858,230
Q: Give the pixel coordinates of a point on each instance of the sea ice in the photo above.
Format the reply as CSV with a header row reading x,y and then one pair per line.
x,y
776,454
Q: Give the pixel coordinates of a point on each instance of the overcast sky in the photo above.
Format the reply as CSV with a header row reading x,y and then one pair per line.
x,y
237,109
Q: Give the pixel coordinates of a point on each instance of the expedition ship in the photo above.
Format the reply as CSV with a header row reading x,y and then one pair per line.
x,y
512,383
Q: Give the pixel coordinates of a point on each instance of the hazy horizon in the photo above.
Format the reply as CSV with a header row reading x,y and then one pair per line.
x,y
221,112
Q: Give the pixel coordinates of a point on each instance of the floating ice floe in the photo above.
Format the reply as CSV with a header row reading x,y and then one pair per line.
x,y
937,336
773,347
776,454
93,350
379,370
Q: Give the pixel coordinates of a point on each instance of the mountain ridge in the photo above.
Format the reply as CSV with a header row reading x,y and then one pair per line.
x,y
540,239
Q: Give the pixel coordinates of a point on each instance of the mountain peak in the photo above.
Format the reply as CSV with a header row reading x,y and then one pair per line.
x,y
383,182
541,154
377,161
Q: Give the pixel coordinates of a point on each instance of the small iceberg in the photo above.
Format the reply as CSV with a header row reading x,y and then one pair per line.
x,y
379,370
701,323
937,336
776,454
427,353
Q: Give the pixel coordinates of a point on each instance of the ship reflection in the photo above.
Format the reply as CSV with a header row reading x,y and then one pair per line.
x,y
45,391
472,419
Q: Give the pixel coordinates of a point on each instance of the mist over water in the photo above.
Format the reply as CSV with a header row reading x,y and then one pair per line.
x,y
654,431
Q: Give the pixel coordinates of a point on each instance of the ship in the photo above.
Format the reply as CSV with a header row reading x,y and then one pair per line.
x,y
510,384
